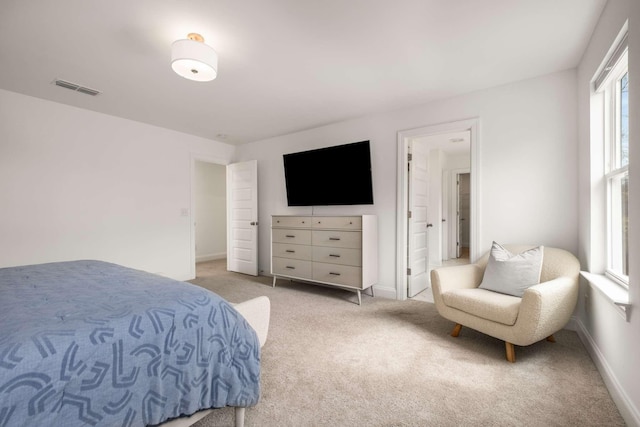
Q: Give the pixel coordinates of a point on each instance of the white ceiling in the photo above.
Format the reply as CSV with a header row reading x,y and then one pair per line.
x,y
284,65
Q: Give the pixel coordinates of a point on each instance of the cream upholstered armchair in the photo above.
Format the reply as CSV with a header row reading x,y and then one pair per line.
x,y
544,308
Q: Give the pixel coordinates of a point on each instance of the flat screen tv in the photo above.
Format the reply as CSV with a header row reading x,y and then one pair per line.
x,y
338,175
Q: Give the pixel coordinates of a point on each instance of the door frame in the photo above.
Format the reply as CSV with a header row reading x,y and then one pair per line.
x,y
198,157
473,126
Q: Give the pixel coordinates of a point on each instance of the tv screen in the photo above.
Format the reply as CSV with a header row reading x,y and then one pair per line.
x,y
338,175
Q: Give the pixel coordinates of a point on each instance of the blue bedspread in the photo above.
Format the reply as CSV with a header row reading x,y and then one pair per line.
x,y
94,343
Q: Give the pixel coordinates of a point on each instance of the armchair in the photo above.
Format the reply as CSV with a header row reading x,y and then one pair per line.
x,y
544,308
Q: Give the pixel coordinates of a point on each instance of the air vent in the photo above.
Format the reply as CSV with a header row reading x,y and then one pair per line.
x,y
88,91
66,84
76,87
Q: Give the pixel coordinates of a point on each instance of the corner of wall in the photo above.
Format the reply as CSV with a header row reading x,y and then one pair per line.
x,y
629,411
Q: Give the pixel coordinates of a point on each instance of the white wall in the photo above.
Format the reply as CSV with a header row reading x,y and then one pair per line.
x,y
528,165
76,184
614,343
457,161
210,211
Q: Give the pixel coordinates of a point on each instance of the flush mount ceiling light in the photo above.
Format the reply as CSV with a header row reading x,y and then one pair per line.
x,y
194,60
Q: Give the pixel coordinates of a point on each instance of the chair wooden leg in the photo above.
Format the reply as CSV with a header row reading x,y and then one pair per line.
x,y
511,353
456,330
551,338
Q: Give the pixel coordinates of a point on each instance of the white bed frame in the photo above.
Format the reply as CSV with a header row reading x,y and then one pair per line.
x,y
257,312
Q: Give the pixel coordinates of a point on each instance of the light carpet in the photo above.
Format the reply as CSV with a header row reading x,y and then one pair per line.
x,y
330,362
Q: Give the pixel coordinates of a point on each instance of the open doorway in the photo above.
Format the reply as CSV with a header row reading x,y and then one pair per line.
x,y
444,155
463,216
240,206
210,217
449,152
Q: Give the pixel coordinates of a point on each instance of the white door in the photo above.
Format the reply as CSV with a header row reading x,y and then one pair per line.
x,y
242,217
418,253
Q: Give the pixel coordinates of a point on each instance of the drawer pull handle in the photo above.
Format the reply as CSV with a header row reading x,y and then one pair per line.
x,y
334,238
334,255
290,251
290,268
334,274
290,235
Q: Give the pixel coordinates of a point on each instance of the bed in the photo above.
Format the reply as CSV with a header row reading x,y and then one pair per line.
x,y
98,344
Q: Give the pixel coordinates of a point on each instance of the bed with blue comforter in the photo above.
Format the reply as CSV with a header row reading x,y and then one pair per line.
x,y
89,343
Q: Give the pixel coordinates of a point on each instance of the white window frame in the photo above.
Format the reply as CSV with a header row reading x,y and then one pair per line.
x,y
610,89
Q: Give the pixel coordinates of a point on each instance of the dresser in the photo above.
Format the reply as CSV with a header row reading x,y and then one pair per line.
x,y
339,251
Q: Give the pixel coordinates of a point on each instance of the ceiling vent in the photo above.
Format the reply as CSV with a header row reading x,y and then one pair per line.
x,y
76,87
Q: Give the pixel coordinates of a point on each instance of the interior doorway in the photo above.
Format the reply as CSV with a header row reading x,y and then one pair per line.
x,y
210,214
240,216
463,214
451,152
442,155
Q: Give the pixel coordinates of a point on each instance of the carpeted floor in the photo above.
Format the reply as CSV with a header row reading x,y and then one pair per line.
x,y
330,362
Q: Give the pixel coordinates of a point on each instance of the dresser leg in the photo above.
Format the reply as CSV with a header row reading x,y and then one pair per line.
x,y
274,282
359,297
371,291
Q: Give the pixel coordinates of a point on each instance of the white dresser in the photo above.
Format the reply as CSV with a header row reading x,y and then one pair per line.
x,y
334,250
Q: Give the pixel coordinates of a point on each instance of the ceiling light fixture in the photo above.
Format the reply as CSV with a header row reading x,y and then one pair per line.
x,y
194,60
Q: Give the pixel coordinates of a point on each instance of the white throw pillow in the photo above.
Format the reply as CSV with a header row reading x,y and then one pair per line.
x,y
512,274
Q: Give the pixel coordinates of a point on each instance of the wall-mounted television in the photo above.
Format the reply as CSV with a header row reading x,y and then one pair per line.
x,y
337,175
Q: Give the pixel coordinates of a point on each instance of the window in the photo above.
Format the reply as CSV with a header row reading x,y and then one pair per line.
x,y
613,84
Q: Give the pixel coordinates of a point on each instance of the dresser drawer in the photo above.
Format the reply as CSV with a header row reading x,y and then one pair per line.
x,y
287,250
337,239
291,221
338,222
298,237
339,274
337,255
291,267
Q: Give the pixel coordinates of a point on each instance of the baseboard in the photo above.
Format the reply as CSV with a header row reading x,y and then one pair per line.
x,y
384,292
627,409
211,257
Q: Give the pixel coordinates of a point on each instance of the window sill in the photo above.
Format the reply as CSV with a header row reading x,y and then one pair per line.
x,y
615,293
